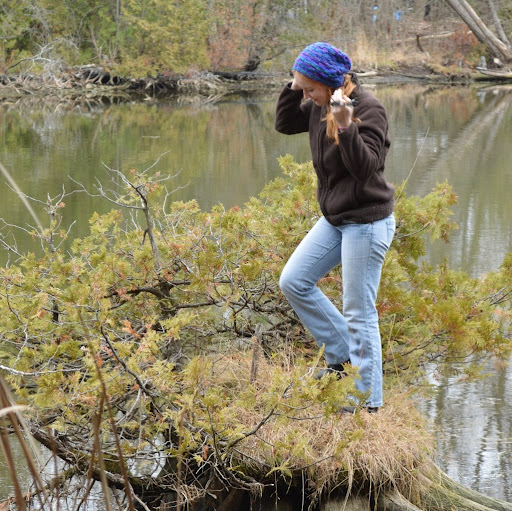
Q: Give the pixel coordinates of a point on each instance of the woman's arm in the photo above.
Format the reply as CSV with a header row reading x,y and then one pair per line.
x,y
292,115
364,144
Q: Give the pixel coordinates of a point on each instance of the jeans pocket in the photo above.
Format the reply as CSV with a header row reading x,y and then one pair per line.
x,y
391,226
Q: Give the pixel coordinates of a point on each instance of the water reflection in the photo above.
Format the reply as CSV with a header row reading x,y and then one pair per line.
x,y
474,430
225,153
461,137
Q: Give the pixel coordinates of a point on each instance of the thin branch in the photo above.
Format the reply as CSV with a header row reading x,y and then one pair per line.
x,y
15,372
414,163
21,195
260,424
141,384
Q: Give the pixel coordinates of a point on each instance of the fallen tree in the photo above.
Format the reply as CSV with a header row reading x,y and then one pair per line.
x,y
498,45
158,357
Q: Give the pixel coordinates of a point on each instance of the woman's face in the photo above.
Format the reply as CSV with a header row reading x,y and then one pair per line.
x,y
318,92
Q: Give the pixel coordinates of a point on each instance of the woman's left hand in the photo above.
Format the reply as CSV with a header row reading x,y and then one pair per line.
x,y
342,109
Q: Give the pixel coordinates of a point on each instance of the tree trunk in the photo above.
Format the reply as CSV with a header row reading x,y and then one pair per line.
x,y
252,63
497,47
441,488
498,25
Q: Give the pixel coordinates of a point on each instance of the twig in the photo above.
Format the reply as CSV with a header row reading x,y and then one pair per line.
x,y
21,195
416,159
127,369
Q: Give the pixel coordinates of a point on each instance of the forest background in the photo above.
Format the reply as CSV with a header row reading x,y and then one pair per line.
x,y
157,38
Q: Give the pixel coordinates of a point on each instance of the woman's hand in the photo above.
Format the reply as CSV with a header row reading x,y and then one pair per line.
x,y
295,86
342,109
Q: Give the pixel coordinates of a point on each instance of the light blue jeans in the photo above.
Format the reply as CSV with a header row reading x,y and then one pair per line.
x,y
354,335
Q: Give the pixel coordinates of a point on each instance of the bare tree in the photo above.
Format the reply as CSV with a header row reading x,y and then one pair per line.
x,y
498,25
497,46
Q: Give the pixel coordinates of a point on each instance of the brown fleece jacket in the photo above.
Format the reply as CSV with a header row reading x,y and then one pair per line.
x,y
351,183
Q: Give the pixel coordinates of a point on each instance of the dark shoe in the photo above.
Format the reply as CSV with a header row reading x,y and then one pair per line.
x,y
353,409
336,369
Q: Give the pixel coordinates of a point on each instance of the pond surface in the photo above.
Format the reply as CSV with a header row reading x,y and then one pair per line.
x,y
226,152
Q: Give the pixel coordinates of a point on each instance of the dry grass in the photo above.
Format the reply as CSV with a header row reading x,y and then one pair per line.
x,y
306,437
368,55
417,44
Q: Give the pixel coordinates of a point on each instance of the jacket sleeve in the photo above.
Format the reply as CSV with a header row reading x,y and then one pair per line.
x,y
365,144
292,115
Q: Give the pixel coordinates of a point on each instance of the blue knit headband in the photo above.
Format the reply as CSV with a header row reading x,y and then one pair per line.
x,y
323,63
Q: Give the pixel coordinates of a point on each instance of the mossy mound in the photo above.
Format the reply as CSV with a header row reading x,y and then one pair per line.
x,y
290,425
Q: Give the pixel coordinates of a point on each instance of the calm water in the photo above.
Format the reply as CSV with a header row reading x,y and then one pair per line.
x,y
226,152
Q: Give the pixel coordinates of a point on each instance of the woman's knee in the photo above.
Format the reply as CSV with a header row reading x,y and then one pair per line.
x,y
290,284
285,283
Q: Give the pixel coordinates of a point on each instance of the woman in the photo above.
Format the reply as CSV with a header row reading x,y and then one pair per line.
x,y
348,135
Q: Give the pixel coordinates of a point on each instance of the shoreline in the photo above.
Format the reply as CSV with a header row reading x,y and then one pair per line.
x,y
91,82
